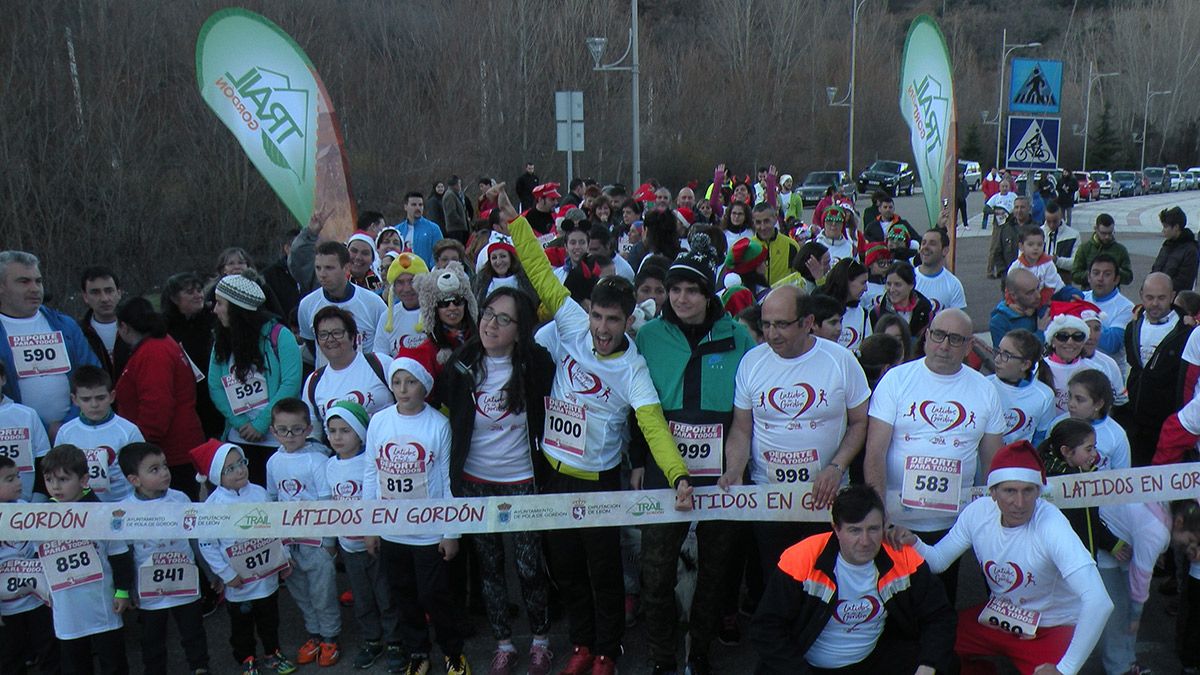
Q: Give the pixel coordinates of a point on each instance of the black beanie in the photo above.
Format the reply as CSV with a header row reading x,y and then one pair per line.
x,y
695,264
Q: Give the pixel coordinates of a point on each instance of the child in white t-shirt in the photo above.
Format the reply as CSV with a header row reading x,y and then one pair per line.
x,y
1090,399
23,439
1032,256
99,432
26,624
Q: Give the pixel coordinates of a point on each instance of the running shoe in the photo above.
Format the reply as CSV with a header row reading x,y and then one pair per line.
x,y
580,662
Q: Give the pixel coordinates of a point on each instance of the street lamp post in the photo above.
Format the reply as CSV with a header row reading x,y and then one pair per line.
x,y
1087,108
1005,50
848,100
1146,118
596,46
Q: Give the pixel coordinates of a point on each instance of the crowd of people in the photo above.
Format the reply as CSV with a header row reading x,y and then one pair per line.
x,y
612,340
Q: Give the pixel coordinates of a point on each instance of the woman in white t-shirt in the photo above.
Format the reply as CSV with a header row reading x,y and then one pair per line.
x,y
846,283
495,386
501,269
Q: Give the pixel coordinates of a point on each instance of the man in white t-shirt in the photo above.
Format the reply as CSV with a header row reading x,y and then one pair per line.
x,y
933,423
1104,291
832,597
332,267
1047,605
934,281
799,416
348,375
40,347
404,305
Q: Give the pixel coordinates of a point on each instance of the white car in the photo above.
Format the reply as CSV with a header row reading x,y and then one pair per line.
x,y
1176,181
1105,181
971,172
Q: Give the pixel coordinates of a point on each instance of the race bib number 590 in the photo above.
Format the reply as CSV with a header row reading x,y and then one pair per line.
x,y
40,354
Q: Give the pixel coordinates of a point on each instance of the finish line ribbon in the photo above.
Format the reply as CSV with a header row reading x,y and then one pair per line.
x,y
135,520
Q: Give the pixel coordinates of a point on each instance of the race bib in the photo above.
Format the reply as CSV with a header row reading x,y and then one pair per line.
x,y
245,396
1002,615
97,459
40,354
67,564
791,466
15,445
168,574
702,447
22,577
403,480
931,483
566,427
255,559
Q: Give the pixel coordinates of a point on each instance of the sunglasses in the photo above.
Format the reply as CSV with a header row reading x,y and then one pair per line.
x,y
1077,336
451,302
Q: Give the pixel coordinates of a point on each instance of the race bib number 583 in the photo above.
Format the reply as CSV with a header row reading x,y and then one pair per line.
x,y
931,483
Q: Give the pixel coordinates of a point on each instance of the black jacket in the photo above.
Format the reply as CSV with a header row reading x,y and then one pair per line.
x,y
791,614
114,364
456,389
922,314
524,188
284,286
1178,259
1156,386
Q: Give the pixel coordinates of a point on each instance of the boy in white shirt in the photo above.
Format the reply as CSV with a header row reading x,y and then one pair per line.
x,y
89,580
408,453
23,438
168,580
296,472
26,625
1032,256
249,569
99,432
345,428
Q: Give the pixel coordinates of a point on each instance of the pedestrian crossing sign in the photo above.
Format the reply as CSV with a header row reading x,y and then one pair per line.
x,y
1036,86
1032,142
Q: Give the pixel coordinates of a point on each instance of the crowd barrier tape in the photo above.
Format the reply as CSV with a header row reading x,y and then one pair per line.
x,y
135,521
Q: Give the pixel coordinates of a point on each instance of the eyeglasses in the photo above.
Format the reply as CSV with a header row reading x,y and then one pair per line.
x,y
240,464
939,336
288,432
1004,357
503,320
335,335
448,302
1077,336
778,325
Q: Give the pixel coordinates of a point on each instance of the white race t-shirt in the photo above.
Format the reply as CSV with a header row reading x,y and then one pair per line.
x,y
856,326
857,621
605,388
1062,373
1191,350
404,322
936,417
842,248
1005,201
366,307
169,556
1109,366
408,457
1112,444
942,289
23,438
799,407
1151,335
872,294
345,478
356,382
22,598
86,608
101,443
107,333
1118,312
1028,409
36,348
500,443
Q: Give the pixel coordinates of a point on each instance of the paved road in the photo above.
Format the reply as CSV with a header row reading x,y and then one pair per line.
x,y
1137,227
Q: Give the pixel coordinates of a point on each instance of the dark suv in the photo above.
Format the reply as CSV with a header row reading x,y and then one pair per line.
x,y
1159,179
891,177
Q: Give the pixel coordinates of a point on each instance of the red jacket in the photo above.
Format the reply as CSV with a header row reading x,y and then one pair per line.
x,y
157,392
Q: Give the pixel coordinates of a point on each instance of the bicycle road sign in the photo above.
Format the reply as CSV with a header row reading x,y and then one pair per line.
x,y
1032,142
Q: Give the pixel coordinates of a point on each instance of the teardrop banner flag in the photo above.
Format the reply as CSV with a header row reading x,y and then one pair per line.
x,y
262,86
927,104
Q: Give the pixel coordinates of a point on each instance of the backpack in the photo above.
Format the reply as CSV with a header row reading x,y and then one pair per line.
x,y
372,360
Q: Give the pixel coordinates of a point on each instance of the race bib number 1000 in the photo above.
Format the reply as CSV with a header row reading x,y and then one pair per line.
x,y
40,354
932,483
566,427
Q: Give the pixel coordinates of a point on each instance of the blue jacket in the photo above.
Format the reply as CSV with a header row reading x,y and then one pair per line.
x,y
425,234
78,349
1005,318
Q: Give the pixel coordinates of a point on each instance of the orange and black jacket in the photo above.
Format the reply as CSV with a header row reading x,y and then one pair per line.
x,y
801,594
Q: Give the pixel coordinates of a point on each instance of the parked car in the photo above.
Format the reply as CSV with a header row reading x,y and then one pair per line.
x,y
1176,180
1086,193
1191,179
972,173
1126,183
1104,185
1158,179
814,186
889,176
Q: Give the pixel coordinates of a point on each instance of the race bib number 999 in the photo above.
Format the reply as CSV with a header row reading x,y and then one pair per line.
x,y
702,447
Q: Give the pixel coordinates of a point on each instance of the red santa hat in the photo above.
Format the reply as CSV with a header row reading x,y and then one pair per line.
x,y
685,216
546,191
502,245
1017,461
1067,315
209,459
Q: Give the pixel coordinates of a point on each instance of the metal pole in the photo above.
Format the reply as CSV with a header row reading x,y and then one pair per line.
x,y
1000,96
1145,121
853,60
570,160
1087,115
637,141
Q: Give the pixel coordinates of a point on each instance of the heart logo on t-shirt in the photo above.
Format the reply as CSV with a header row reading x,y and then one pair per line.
x,y
291,487
582,382
403,453
798,397
1003,576
943,416
347,489
854,613
490,404
848,337
1014,419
